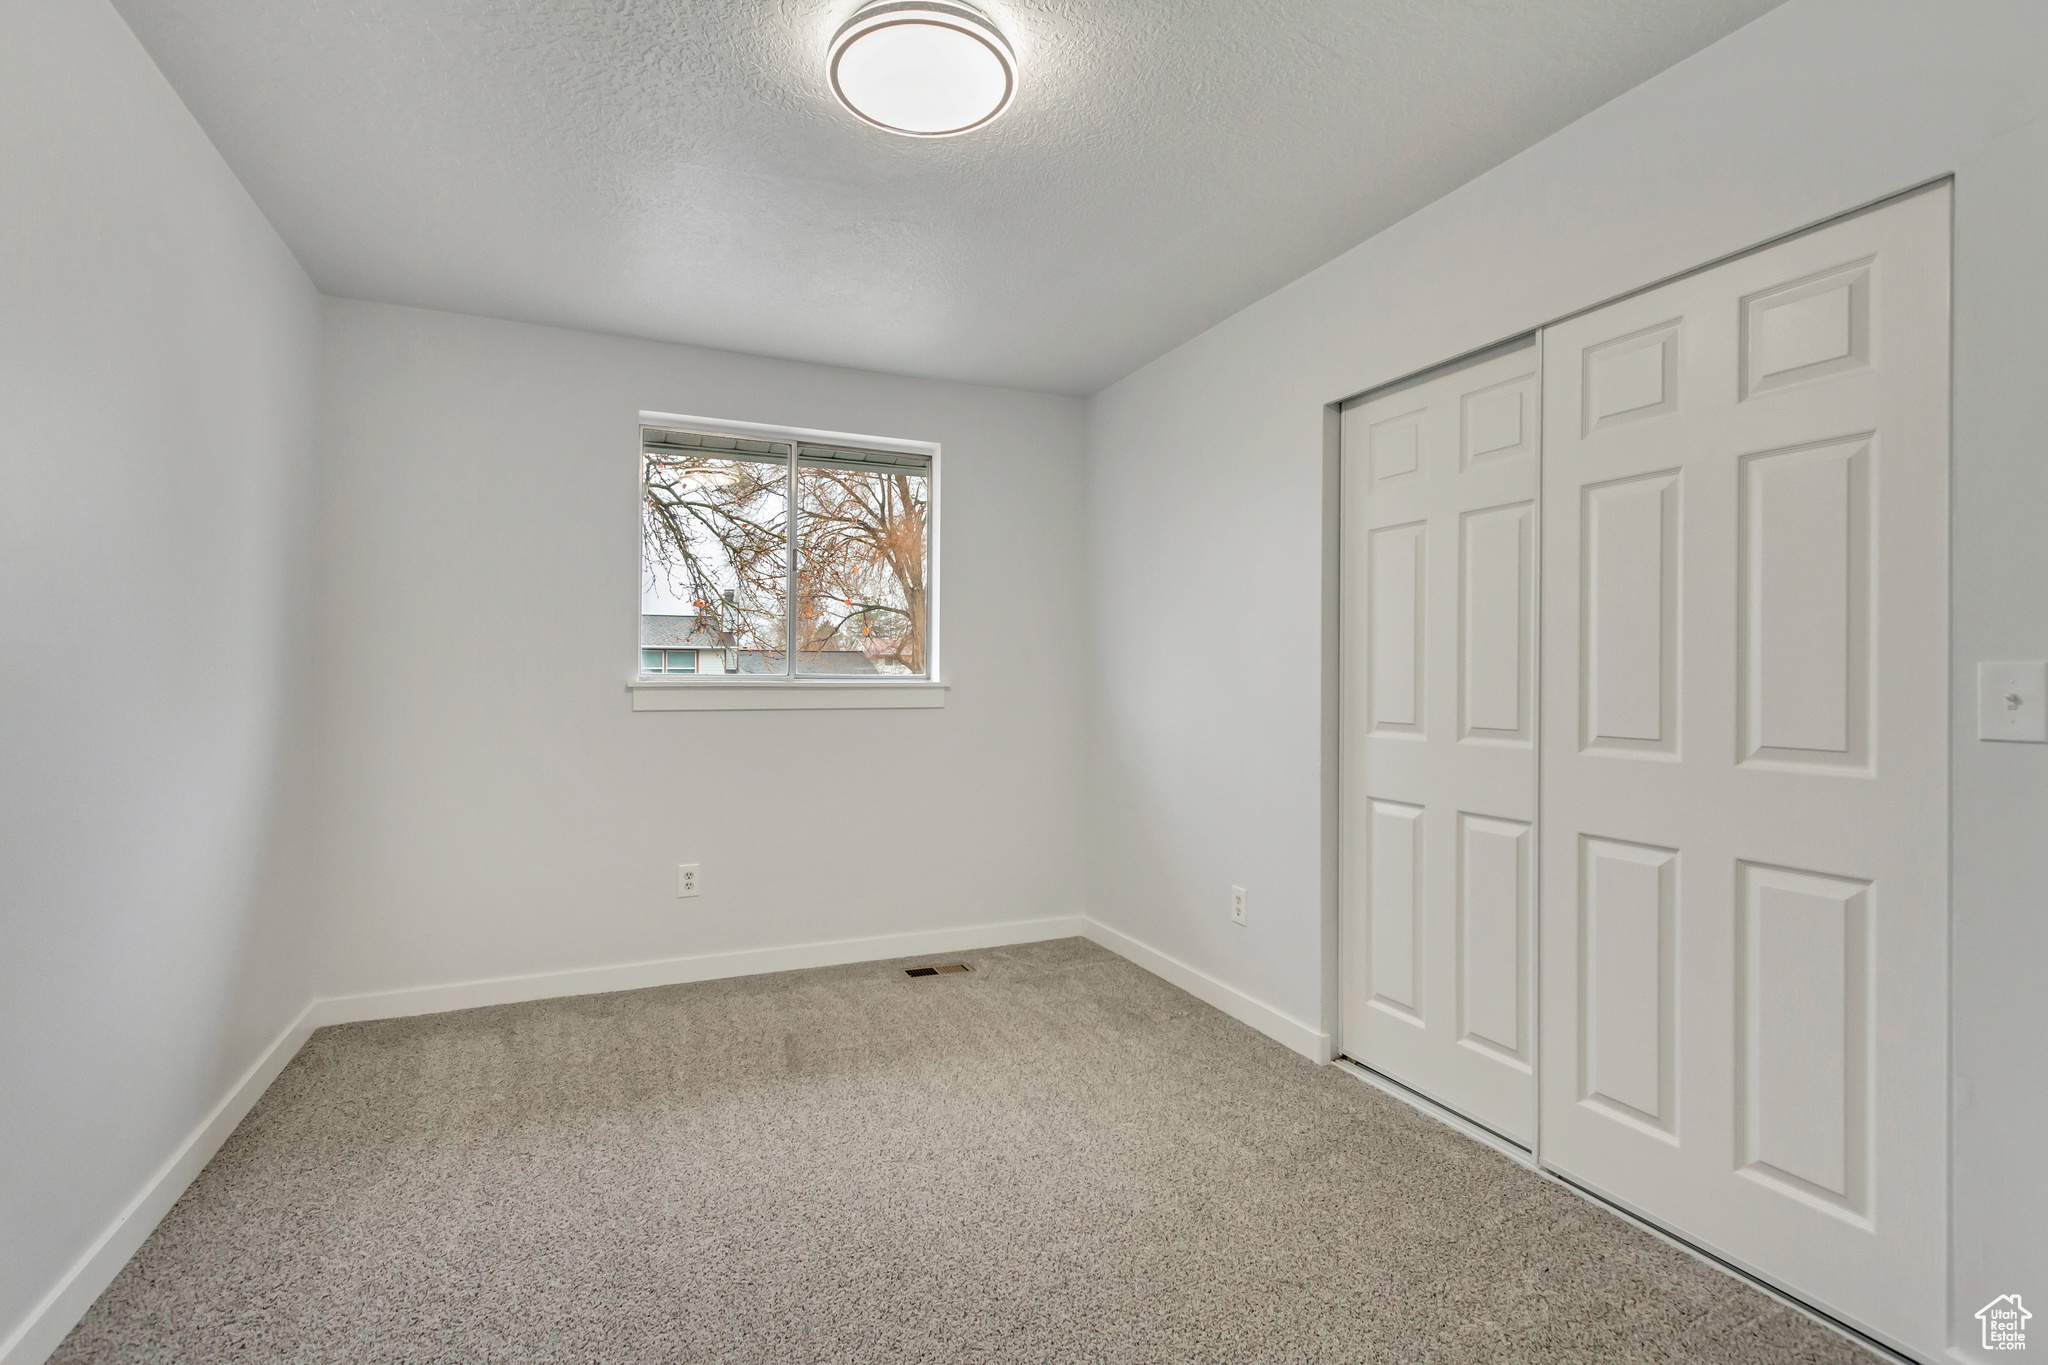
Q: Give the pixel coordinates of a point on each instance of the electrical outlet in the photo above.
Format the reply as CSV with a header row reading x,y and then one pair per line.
x,y
1237,904
686,879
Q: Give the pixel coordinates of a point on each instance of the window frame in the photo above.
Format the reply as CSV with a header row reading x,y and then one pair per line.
x,y
791,690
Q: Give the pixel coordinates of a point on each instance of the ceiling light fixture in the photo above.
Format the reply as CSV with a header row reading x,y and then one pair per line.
x,y
923,68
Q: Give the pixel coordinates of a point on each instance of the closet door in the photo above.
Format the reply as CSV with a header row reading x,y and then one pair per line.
x,y
1439,755
1744,849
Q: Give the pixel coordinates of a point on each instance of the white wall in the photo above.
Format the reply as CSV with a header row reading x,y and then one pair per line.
x,y
493,806
1205,495
158,355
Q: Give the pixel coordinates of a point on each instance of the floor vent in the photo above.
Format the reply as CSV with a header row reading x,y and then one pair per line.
x,y
946,970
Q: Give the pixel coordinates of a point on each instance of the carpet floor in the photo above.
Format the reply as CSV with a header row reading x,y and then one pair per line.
x,y
1054,1158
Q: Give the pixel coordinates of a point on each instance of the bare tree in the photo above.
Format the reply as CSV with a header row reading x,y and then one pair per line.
x,y
861,565
715,527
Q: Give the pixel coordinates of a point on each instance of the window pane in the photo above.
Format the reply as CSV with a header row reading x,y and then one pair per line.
x,y
650,661
714,527
860,590
682,661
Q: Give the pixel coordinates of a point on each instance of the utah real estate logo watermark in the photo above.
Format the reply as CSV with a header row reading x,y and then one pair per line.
x,y
2005,1323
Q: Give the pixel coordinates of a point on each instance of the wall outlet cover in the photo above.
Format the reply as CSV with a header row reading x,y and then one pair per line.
x,y
1237,904
688,880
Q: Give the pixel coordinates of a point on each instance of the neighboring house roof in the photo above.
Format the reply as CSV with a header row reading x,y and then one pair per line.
x,y
833,662
838,661
674,632
681,632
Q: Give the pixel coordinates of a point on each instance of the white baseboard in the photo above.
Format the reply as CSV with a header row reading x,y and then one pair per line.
x,y
671,971
1310,1041
50,1321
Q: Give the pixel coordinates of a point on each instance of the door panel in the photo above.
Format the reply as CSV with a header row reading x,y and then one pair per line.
x,y
1744,818
1803,1001
1629,569
1396,908
1494,890
1439,726
1395,637
1496,610
1803,640
1628,989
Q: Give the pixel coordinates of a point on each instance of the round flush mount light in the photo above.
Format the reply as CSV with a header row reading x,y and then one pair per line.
x,y
923,68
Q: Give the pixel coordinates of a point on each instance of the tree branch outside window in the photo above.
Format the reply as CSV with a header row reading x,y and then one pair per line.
x,y
715,530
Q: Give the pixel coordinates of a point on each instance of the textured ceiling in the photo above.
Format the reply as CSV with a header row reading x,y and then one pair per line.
x,y
677,169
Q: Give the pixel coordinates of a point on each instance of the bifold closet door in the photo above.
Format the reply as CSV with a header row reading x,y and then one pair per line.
x,y
1744,923
1439,728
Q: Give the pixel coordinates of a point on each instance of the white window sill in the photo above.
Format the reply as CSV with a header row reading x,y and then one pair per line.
x,y
791,694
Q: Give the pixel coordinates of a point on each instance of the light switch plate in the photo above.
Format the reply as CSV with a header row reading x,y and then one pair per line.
x,y
2012,702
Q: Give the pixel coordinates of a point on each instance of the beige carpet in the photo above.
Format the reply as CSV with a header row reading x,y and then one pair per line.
x,y
1055,1158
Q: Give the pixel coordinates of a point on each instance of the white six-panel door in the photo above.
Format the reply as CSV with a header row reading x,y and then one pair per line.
x,y
1744,920
1439,729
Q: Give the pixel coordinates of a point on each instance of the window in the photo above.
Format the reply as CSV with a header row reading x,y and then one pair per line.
x,y
668,660
784,556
